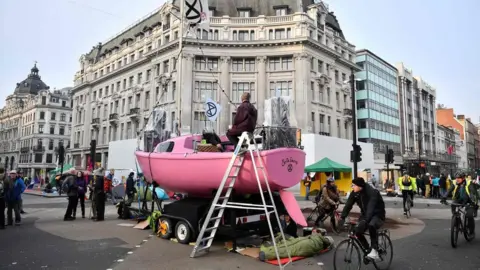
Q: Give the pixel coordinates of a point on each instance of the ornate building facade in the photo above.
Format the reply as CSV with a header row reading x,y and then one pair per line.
x,y
296,49
418,120
33,123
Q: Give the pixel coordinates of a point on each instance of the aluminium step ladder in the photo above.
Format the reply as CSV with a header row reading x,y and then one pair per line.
x,y
221,199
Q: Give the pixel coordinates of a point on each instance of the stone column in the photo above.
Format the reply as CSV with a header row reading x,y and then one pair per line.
x,y
301,97
225,84
88,119
261,88
186,93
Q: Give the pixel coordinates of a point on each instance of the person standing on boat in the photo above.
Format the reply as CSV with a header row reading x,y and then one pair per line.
x,y
245,119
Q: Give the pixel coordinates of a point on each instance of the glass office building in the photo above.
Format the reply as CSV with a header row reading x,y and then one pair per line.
x,y
378,112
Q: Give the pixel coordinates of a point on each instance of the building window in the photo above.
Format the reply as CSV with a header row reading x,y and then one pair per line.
x,y
204,90
50,144
238,88
337,98
280,63
339,129
62,117
243,64
139,78
40,129
362,123
206,63
243,35
282,88
280,11
38,158
53,116
62,130
244,13
166,66
129,130
44,100
42,115
149,75
147,99
130,81
199,122
52,130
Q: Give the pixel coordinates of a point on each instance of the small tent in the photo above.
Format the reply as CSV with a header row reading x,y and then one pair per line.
x,y
343,178
327,165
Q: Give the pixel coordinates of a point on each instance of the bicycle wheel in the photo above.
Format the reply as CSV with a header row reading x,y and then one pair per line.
x,y
408,204
385,251
334,218
454,230
344,252
466,231
313,215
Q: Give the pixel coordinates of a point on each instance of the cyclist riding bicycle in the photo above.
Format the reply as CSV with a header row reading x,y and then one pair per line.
x,y
328,198
407,186
463,192
372,216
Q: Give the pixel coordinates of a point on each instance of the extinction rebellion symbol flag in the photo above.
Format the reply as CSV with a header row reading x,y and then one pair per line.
x,y
196,12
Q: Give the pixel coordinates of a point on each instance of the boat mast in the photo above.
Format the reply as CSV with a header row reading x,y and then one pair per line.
x,y
180,67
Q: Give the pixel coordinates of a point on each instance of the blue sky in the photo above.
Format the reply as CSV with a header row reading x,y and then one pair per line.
x,y
434,38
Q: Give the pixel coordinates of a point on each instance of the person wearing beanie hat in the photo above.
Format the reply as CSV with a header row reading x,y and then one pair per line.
x,y
372,215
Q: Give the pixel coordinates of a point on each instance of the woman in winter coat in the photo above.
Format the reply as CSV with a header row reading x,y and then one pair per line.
x,y
82,189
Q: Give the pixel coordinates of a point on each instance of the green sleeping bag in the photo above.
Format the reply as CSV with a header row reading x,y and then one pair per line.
x,y
299,247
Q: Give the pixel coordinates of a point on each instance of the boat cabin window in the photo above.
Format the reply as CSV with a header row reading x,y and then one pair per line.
x,y
165,147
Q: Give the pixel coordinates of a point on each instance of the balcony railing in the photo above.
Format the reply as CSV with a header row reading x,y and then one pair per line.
x,y
96,121
38,148
134,112
113,117
25,149
76,145
166,26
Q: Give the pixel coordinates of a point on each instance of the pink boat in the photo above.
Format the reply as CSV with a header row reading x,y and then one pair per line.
x,y
176,166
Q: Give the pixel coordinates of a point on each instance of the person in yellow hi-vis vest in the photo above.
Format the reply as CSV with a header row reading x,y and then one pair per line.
x,y
407,186
463,192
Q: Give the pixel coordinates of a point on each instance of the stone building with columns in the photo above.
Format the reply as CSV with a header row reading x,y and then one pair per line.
x,y
418,121
297,49
33,123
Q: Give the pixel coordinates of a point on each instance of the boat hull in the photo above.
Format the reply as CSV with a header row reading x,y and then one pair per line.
x,y
200,174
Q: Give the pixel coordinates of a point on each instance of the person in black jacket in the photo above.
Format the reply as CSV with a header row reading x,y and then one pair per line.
x,y
99,194
443,185
372,215
130,189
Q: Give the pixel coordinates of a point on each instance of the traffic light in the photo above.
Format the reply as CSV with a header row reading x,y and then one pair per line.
x,y
390,155
356,154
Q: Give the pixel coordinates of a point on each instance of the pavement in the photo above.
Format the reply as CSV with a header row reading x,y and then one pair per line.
x,y
44,241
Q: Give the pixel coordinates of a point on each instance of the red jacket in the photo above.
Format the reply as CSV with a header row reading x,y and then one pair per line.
x,y
245,119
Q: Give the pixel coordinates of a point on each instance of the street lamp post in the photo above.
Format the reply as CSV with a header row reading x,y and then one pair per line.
x,y
354,121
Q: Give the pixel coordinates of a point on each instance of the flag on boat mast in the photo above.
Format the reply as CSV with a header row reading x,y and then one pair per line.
x,y
212,109
196,13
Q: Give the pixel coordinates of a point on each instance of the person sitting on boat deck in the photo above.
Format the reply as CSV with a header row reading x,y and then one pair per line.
x,y
245,119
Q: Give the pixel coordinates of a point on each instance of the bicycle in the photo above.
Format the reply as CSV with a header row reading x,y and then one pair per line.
x,y
334,217
408,206
459,224
353,245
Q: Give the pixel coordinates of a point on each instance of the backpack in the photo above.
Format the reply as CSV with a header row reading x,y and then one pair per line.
x,y
318,197
406,181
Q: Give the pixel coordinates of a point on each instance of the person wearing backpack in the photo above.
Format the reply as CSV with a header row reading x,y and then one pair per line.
x,y
71,188
407,186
